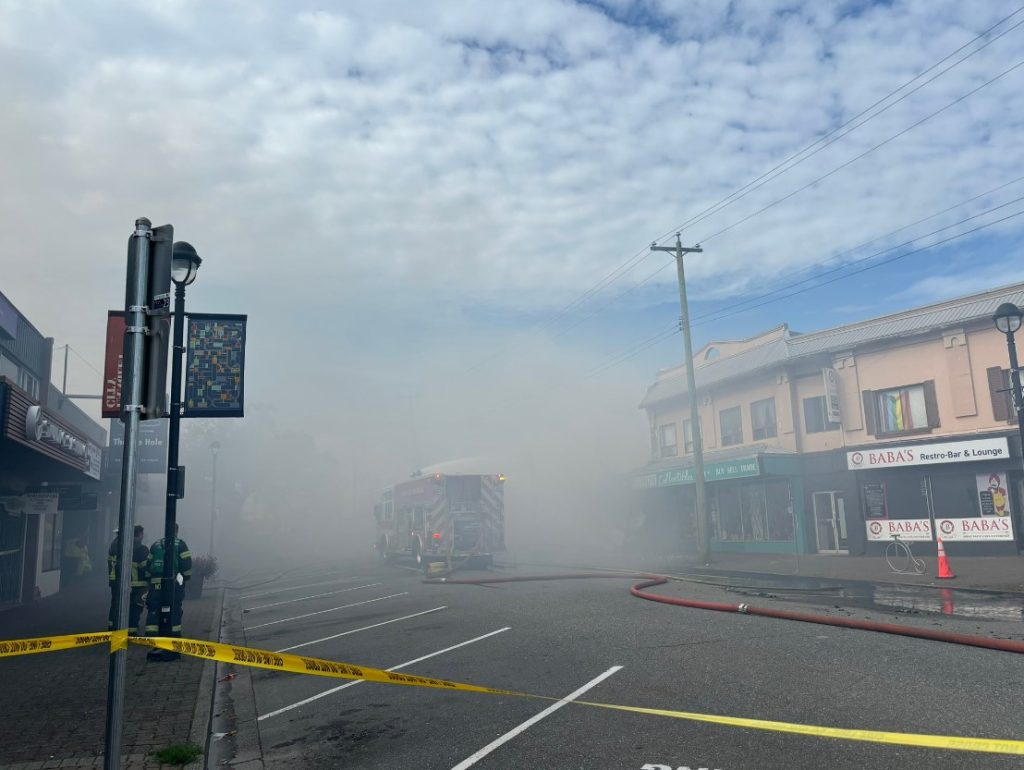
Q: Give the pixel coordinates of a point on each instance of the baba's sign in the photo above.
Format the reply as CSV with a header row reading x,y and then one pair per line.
x,y
904,529
929,454
976,528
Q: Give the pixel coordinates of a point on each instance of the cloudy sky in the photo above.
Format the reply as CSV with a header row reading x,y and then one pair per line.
x,y
419,204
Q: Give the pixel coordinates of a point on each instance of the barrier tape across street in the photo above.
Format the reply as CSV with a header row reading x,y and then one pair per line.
x,y
300,664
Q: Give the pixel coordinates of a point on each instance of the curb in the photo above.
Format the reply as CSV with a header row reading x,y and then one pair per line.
x,y
199,733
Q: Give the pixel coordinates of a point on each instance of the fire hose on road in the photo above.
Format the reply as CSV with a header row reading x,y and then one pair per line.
x,y
651,580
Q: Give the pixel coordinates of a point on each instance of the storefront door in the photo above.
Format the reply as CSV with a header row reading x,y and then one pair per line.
x,y
830,522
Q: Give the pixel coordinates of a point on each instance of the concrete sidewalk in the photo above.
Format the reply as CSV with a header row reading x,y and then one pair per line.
x,y
993,573
53,706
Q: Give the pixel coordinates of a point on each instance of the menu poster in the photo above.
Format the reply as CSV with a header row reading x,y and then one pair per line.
x,y
875,505
992,494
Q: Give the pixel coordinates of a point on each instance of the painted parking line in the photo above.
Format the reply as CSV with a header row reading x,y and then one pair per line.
x,y
321,612
312,596
364,628
413,662
276,591
476,757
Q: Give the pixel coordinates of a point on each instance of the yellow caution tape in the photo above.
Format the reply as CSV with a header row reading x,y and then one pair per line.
x,y
299,664
13,647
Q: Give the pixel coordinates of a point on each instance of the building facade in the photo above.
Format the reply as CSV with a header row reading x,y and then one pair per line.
x,y
835,441
51,458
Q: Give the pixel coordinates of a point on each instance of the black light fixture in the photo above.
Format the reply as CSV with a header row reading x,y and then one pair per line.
x,y
185,264
1008,318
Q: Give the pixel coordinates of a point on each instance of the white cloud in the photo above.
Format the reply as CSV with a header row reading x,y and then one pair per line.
x,y
419,160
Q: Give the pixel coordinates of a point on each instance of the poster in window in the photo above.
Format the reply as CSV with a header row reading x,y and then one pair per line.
x,y
215,366
992,494
875,504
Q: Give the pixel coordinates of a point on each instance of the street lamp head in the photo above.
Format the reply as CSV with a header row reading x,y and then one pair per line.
x,y
1007,318
185,263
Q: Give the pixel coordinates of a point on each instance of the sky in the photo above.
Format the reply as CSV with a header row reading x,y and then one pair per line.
x,y
418,204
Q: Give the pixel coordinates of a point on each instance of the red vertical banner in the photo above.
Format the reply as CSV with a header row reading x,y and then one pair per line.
x,y
113,364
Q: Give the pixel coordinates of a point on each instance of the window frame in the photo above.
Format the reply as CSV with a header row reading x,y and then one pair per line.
x,y
738,411
823,414
687,441
770,430
662,446
873,418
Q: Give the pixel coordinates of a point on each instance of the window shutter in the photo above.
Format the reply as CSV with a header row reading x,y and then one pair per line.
x,y
870,413
931,403
1000,404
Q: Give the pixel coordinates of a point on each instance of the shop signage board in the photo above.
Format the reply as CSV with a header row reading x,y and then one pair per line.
x,y
929,454
831,394
39,504
152,444
975,528
880,530
734,469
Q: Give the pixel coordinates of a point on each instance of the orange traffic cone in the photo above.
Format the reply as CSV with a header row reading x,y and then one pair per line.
x,y
944,571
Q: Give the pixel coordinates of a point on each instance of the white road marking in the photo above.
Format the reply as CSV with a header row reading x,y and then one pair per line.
x,y
393,668
321,612
474,758
304,598
298,588
364,628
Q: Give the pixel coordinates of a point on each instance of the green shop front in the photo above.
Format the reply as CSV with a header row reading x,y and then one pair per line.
x,y
755,502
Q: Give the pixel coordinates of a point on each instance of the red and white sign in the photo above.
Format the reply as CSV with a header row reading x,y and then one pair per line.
x,y
929,454
881,530
113,364
976,528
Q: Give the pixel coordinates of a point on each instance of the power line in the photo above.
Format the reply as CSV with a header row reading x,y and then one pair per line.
x,y
745,189
829,138
854,159
782,167
869,257
649,342
804,271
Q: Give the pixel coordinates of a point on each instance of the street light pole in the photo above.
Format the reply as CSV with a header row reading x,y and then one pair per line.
x,y
1008,318
700,500
184,265
214,449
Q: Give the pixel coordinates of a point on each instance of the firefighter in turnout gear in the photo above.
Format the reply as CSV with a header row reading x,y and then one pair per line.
x,y
180,566
140,557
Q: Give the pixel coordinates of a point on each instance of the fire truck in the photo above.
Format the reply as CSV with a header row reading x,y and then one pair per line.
x,y
442,517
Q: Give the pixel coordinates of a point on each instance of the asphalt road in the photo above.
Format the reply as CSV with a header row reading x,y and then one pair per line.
x,y
592,640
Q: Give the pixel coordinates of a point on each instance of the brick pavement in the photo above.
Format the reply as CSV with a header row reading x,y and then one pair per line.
x,y
53,706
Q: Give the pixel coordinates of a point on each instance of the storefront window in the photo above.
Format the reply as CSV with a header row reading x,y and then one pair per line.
x,y
780,510
729,525
52,530
752,496
752,511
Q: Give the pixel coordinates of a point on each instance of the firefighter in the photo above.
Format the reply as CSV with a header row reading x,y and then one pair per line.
x,y
181,570
140,556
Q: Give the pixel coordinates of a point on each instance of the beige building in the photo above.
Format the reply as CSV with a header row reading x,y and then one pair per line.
x,y
837,440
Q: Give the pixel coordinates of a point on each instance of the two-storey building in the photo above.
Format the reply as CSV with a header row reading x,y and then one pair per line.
x,y
835,441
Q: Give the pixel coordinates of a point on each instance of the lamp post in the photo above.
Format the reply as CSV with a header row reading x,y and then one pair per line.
x,y
214,449
1007,319
184,265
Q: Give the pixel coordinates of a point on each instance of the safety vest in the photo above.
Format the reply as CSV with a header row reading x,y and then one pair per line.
x,y
140,555
182,561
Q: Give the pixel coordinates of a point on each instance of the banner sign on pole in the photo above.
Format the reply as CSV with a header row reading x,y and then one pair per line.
x,y
113,364
152,444
215,365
